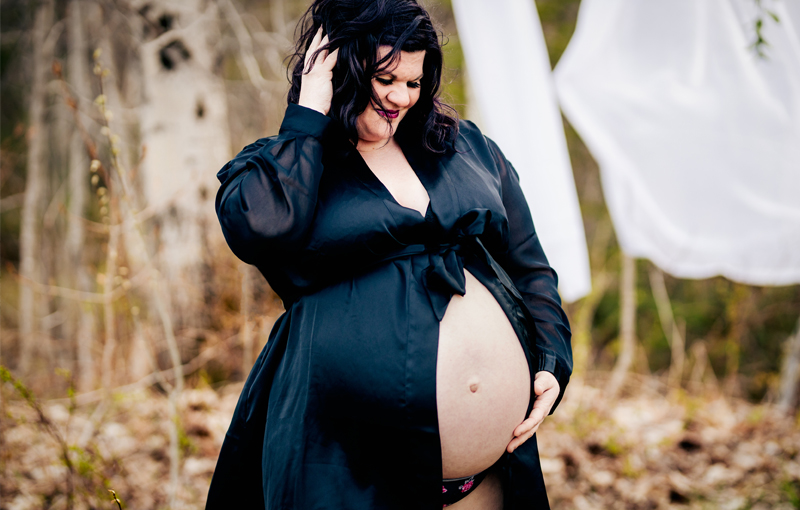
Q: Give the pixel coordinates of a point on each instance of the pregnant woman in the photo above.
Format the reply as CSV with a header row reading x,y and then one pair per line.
x,y
423,340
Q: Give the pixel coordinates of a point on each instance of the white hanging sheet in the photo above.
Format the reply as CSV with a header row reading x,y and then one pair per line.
x,y
509,72
697,138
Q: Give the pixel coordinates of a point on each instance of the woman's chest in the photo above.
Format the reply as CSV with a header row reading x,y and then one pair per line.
x,y
392,169
358,214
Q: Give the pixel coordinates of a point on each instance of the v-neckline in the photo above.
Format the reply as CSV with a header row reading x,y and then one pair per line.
x,y
379,188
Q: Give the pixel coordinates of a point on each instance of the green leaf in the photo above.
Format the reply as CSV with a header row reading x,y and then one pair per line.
x,y
774,16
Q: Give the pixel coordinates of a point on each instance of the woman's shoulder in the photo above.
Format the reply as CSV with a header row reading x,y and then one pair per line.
x,y
468,130
299,124
298,121
472,140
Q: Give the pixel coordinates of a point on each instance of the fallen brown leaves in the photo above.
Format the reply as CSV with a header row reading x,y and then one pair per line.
x,y
642,451
650,451
120,445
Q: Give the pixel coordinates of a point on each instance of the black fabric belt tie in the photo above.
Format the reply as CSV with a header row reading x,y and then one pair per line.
x,y
444,277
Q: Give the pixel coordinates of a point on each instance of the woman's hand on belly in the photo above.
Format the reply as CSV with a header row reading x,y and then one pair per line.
x,y
546,388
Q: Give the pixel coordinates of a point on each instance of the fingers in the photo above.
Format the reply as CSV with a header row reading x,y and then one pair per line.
x,y
325,59
316,88
546,389
530,429
324,53
315,42
531,423
519,441
526,429
330,60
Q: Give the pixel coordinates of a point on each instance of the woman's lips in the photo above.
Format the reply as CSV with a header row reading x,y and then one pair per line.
x,y
389,114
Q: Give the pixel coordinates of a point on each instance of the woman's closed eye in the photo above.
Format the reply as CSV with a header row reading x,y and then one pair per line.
x,y
388,81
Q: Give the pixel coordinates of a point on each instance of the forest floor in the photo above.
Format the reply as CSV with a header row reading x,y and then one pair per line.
x,y
649,449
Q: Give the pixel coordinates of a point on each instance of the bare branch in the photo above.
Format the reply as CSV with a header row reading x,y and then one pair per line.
x,y
246,56
167,374
11,202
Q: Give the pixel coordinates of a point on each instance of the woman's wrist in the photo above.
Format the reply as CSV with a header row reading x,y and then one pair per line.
x,y
311,106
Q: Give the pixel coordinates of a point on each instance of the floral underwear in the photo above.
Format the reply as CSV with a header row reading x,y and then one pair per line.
x,y
456,489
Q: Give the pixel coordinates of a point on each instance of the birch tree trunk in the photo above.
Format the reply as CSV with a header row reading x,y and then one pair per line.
x,y
627,325
30,228
185,134
82,318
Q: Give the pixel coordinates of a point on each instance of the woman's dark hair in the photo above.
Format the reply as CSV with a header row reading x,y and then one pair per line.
x,y
357,28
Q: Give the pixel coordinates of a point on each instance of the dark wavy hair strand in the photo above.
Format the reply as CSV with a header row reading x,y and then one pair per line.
x,y
357,28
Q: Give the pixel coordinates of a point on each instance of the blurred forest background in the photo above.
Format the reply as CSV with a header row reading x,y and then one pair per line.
x,y
128,326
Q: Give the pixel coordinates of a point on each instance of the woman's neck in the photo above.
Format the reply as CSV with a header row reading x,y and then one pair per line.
x,y
365,146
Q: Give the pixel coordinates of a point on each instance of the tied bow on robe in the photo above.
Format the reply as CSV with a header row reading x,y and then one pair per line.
x,y
444,276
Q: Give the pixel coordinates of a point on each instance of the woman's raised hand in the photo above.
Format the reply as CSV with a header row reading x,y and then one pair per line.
x,y
316,89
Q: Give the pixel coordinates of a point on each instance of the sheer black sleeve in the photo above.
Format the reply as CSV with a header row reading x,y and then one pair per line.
x,y
267,200
526,264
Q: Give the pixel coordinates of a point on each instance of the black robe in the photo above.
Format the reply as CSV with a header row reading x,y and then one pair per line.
x,y
339,410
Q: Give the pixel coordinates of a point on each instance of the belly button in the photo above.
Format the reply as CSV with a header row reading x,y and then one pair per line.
x,y
473,382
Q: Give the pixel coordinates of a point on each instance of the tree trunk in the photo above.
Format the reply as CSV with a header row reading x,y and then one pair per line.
x,y
789,372
85,338
582,329
184,130
738,306
627,325
81,317
671,331
702,365
109,317
30,228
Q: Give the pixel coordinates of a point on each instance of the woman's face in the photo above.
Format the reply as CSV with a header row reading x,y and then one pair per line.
x,y
398,89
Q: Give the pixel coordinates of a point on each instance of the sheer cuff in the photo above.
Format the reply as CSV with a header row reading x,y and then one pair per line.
x,y
305,120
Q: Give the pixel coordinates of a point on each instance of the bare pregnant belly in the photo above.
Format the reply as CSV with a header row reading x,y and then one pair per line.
x,y
482,382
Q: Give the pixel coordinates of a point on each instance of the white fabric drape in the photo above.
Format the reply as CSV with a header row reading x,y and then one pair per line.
x,y
509,72
698,139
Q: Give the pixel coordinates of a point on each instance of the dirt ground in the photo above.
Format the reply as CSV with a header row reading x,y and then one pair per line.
x,y
650,449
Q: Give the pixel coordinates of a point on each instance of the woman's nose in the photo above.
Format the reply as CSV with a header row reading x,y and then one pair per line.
x,y
399,96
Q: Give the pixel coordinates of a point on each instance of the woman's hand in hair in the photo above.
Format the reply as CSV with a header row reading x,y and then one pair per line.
x,y
546,388
316,89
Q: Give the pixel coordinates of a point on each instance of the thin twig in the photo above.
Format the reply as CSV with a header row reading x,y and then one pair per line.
x,y
116,499
97,298
48,426
167,374
246,53
12,202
